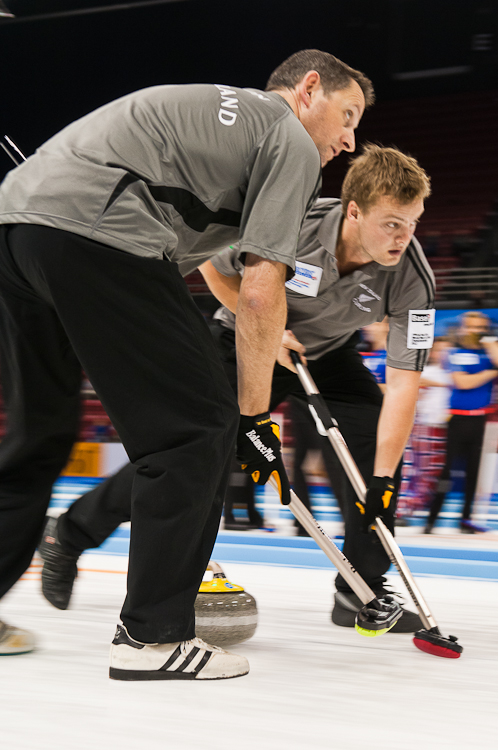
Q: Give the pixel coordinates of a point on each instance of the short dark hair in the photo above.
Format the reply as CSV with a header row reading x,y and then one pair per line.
x,y
334,74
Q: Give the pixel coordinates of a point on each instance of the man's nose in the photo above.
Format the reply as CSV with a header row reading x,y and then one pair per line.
x,y
404,236
348,141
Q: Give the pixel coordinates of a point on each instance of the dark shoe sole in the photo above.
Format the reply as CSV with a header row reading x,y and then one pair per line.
x,y
343,617
132,675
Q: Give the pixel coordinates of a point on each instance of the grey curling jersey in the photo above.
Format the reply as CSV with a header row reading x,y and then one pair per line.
x,y
324,310
175,171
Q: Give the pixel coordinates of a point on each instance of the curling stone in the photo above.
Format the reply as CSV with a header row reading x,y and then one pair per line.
x,y
224,613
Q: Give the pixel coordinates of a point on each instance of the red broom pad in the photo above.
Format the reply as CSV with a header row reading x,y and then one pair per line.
x,y
438,646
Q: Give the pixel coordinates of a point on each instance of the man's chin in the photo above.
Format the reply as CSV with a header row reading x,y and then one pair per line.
x,y
392,260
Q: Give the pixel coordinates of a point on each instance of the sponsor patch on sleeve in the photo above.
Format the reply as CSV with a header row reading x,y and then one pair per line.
x,y
420,329
306,280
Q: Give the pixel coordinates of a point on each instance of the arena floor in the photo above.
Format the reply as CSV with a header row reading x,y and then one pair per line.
x,y
312,685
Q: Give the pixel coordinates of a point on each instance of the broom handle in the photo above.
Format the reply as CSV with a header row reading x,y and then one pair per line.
x,y
14,148
348,463
350,575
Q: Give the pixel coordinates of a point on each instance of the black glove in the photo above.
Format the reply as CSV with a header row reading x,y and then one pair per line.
x,y
381,494
258,451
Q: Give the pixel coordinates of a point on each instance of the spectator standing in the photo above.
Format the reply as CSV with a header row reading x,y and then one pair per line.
x,y
473,365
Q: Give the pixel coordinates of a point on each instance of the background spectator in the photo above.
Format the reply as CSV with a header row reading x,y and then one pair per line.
x,y
474,366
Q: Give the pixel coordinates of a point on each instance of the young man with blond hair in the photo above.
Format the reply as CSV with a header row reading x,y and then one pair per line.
x,y
356,262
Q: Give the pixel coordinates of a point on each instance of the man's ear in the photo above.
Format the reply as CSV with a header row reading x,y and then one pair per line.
x,y
353,211
310,83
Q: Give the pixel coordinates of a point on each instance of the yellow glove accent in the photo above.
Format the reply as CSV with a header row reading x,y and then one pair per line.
x,y
386,498
276,477
360,507
276,430
255,476
243,466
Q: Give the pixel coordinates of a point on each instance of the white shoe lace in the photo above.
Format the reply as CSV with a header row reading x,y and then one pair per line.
x,y
199,643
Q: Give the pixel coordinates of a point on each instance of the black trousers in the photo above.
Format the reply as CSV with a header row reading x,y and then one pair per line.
x,y
464,440
66,303
354,400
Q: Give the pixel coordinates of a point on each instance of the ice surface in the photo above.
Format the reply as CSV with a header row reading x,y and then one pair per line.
x,y
312,685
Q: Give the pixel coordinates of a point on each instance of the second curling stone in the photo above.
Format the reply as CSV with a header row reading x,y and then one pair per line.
x,y
224,613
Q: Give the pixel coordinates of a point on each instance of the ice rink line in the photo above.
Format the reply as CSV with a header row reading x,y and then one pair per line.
x,y
298,552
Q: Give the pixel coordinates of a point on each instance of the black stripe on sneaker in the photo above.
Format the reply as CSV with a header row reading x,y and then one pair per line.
x,y
203,662
189,658
174,656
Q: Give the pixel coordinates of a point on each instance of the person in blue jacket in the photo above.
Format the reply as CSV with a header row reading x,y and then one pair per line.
x,y
474,367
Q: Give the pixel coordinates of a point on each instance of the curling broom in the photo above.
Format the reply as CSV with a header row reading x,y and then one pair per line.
x,y
429,639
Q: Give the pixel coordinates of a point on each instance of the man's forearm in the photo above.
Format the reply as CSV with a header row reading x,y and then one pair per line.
x,y
396,419
261,316
465,381
225,288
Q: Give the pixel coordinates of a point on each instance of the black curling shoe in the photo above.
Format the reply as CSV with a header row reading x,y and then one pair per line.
x,y
59,567
347,604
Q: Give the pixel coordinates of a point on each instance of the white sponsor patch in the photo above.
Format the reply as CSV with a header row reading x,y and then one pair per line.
x,y
306,280
420,329
461,359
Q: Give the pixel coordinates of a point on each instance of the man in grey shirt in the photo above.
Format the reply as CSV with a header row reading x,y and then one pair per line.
x,y
357,261
92,228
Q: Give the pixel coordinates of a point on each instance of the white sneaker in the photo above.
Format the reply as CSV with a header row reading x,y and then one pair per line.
x,y
15,640
187,660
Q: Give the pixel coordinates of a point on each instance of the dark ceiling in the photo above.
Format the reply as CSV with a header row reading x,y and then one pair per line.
x,y
59,61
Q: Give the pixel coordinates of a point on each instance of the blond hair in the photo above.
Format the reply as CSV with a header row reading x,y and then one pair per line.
x,y
380,171
474,314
